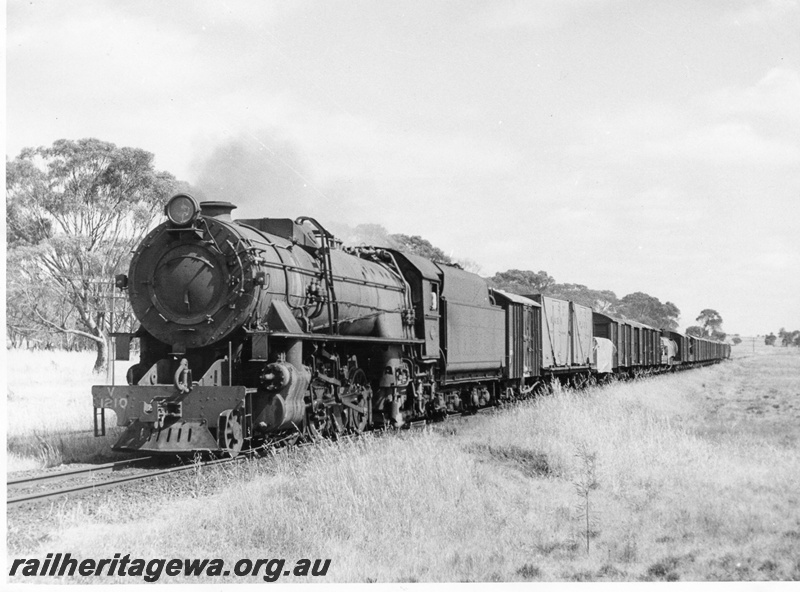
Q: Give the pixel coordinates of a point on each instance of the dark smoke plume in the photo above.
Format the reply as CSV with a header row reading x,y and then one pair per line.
x,y
267,176
262,174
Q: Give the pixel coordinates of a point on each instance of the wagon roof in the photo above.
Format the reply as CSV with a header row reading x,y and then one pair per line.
x,y
672,333
637,324
515,298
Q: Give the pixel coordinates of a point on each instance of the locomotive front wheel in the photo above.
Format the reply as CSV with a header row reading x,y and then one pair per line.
x,y
230,434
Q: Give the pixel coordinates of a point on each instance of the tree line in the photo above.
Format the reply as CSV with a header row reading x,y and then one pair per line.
x,y
787,338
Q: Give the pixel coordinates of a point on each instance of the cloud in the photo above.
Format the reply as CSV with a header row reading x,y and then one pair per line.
x,y
746,126
761,12
541,14
776,97
732,143
189,16
344,145
212,70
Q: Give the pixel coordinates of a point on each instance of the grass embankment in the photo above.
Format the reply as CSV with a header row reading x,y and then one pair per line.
x,y
668,478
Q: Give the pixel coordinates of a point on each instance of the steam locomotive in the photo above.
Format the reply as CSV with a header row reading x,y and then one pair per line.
x,y
266,330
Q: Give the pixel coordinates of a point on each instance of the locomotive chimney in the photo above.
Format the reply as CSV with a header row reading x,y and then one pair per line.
x,y
217,209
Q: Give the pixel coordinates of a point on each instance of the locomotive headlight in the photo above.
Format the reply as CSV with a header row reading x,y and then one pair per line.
x,y
182,209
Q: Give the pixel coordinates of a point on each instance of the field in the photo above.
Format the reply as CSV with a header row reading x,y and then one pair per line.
x,y
49,417
692,476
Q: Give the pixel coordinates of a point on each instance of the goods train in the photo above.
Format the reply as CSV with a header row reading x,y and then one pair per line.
x,y
255,331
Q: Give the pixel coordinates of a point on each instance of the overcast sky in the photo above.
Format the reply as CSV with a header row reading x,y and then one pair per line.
x,y
626,145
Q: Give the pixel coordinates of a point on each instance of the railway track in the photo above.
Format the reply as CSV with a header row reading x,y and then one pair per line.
x,y
37,488
89,482
33,487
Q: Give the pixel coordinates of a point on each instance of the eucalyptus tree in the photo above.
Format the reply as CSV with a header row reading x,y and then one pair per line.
x,y
75,210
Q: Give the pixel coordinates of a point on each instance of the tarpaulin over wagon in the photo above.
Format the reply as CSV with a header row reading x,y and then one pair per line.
x,y
603,354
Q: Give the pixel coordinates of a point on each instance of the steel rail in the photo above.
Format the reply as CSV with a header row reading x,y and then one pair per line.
x,y
72,473
100,485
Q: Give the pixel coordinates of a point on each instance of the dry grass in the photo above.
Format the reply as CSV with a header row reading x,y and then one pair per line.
x,y
666,490
686,483
49,409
